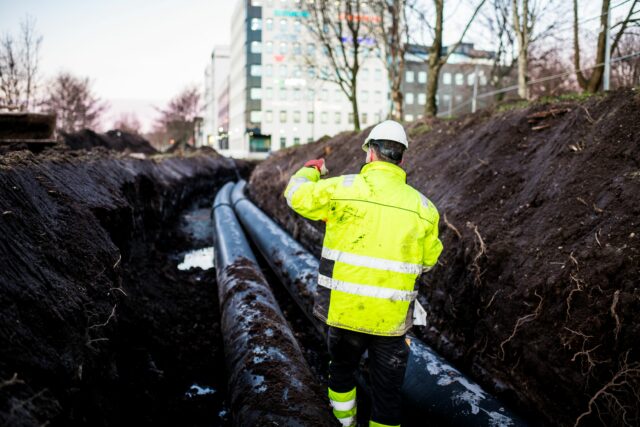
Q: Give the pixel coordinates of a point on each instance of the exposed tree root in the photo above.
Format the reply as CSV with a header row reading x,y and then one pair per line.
x,y
483,249
520,322
11,381
451,227
614,314
624,380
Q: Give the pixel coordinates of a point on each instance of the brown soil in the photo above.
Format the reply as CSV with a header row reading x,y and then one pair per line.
x,y
98,327
536,292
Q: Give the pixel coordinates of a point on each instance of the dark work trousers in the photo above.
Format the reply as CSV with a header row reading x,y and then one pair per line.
x,y
387,363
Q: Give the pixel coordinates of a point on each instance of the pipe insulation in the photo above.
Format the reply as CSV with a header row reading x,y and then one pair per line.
x,y
431,385
270,382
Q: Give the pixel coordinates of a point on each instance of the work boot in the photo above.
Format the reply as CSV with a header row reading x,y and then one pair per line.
x,y
375,424
344,406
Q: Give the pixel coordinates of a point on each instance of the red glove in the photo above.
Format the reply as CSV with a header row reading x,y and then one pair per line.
x,y
318,164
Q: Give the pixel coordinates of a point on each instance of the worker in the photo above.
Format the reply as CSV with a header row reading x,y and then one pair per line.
x,y
381,234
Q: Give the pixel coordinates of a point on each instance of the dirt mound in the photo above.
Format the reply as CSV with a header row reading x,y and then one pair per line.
x,y
113,140
98,327
536,292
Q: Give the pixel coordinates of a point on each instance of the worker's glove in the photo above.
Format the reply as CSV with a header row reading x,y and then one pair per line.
x,y
319,164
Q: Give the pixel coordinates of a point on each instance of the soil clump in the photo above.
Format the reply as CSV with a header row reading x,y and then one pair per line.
x,y
536,291
99,327
113,140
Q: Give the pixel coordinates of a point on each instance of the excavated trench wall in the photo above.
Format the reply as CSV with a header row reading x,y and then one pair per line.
x,y
536,292
97,326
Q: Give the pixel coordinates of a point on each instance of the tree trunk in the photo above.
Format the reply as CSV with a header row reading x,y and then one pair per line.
x,y
435,51
354,106
523,61
594,82
521,28
397,109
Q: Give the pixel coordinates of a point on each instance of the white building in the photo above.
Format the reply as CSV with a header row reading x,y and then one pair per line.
x,y
216,73
276,100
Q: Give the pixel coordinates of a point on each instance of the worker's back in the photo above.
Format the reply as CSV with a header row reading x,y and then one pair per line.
x,y
380,235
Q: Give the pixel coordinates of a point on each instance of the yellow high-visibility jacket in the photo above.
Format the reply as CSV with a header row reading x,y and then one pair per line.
x,y
381,235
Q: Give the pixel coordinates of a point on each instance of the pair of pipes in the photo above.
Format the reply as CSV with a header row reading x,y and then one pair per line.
x,y
431,386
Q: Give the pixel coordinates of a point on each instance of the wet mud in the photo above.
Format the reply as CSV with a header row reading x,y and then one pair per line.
x,y
536,292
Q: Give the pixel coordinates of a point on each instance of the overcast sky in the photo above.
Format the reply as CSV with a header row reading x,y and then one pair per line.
x,y
137,53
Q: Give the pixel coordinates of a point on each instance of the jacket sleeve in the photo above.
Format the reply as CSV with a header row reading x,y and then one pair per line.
x,y
432,245
309,195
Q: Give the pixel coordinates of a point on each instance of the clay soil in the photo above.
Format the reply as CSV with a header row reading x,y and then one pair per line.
x,y
536,293
98,326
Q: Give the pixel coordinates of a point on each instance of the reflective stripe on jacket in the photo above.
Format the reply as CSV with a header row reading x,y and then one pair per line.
x,y
381,234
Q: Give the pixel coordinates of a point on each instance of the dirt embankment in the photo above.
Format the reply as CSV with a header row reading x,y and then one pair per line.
x,y
98,327
536,293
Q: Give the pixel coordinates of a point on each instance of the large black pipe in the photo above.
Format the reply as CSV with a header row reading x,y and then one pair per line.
x,y
431,385
270,382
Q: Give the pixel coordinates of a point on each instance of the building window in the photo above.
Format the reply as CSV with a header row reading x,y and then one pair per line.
x,y
256,93
364,73
364,118
283,142
268,93
296,140
256,71
364,96
283,94
268,48
325,72
268,70
324,117
311,72
296,116
297,26
378,117
256,47
310,94
255,116
297,49
483,79
283,48
350,118
470,79
378,96
408,117
268,116
283,70
446,99
409,76
422,76
458,99
297,71
446,78
422,98
296,94
408,98
310,117
256,3
309,140
311,48
324,95
459,79
283,25
378,74
269,24
256,24
283,116
337,95
338,117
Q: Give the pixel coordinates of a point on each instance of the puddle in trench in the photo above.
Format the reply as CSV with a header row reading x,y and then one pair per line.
x,y
196,390
201,258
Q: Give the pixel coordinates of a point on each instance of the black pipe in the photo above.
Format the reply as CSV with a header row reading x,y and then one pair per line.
x,y
270,382
431,385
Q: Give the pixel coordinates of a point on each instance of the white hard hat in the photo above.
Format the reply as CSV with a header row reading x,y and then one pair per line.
x,y
388,130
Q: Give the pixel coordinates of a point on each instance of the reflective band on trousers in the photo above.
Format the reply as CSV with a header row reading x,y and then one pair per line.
x,y
366,290
347,421
371,262
297,182
343,406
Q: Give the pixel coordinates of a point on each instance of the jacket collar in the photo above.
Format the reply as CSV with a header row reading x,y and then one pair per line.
x,y
384,167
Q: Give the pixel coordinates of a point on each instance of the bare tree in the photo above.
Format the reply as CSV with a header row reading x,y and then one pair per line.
x,y
626,73
19,67
179,117
345,35
523,28
593,83
393,29
437,58
73,102
128,122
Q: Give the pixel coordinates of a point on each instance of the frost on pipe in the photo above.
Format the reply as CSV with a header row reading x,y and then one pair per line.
x,y
269,380
430,384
